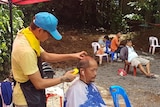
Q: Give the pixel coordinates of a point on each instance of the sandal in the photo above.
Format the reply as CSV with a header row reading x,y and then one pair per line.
x,y
151,76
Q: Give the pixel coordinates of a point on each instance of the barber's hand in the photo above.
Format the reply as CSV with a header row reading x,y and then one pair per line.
x,y
69,76
81,54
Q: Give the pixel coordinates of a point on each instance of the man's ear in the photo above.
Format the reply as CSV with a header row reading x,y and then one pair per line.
x,y
82,71
40,29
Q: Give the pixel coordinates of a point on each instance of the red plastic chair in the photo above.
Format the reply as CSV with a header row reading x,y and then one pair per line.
x,y
127,66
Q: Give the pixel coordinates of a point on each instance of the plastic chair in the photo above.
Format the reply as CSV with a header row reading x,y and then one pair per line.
x,y
96,47
127,66
153,42
115,91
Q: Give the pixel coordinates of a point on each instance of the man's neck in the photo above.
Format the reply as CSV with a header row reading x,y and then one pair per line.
x,y
84,81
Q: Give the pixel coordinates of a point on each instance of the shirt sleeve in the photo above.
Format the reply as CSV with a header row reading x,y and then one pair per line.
x,y
123,54
28,62
41,49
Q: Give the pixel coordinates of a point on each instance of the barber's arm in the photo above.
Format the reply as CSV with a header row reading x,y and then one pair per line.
x,y
53,57
40,83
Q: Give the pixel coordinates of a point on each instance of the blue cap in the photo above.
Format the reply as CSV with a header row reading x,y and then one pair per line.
x,y
48,22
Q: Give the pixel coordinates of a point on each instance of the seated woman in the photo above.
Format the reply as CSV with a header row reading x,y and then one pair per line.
x,y
105,43
102,43
107,46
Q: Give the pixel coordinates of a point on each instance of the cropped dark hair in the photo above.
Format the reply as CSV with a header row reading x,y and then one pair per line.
x,y
106,37
83,64
128,40
33,26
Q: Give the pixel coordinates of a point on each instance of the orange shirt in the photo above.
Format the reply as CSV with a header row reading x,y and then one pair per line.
x,y
114,44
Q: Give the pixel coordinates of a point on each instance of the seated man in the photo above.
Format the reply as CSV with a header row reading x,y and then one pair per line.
x,y
83,93
128,54
116,44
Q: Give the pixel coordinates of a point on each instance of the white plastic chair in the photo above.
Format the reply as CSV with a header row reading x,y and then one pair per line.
x,y
96,46
153,42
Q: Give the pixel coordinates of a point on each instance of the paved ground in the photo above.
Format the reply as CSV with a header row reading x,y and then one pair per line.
x,y
142,91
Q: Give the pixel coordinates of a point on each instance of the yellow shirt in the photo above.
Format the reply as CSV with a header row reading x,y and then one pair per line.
x,y
24,63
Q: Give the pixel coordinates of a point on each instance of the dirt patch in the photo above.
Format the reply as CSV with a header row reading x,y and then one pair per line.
x,y
78,40
142,91
72,42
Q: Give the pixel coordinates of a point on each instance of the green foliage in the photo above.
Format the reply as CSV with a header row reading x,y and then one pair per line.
x,y
144,10
81,13
102,10
111,15
133,16
29,11
5,37
116,15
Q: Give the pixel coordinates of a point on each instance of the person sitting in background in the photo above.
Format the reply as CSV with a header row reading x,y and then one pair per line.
x,y
115,44
108,49
129,55
102,43
107,41
83,92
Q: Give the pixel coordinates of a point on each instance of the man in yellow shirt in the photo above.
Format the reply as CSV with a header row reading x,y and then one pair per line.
x,y
26,61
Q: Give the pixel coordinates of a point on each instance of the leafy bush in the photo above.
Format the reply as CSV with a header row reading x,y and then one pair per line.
x,y
5,36
134,16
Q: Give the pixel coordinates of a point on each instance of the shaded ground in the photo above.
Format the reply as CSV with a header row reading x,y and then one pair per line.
x,y
142,91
